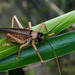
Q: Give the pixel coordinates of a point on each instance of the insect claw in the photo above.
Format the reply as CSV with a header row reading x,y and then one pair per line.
x,y
51,34
6,45
42,61
36,42
16,59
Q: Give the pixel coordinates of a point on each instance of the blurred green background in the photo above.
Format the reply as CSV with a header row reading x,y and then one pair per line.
x,y
38,11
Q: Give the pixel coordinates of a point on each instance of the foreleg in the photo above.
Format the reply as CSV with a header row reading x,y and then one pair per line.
x,y
45,28
34,46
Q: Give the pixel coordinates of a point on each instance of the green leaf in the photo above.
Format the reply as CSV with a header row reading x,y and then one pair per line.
x,y
67,20
62,45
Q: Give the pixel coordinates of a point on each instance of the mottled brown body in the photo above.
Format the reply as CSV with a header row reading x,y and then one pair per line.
x,y
21,34
16,31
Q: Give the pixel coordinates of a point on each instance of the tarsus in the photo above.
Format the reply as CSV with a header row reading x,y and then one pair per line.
x,y
57,24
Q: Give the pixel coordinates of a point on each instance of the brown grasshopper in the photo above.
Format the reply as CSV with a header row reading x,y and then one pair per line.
x,y
24,36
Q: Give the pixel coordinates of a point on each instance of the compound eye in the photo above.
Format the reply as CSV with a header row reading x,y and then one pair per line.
x,y
39,37
39,40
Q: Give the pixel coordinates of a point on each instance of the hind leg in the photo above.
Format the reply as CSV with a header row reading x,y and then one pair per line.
x,y
17,21
14,38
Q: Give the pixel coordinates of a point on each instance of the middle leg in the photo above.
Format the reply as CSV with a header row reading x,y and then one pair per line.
x,y
23,45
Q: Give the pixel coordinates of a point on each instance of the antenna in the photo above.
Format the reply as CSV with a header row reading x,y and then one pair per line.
x,y
55,56
57,24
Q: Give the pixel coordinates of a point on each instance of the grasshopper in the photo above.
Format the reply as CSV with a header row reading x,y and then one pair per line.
x,y
25,36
